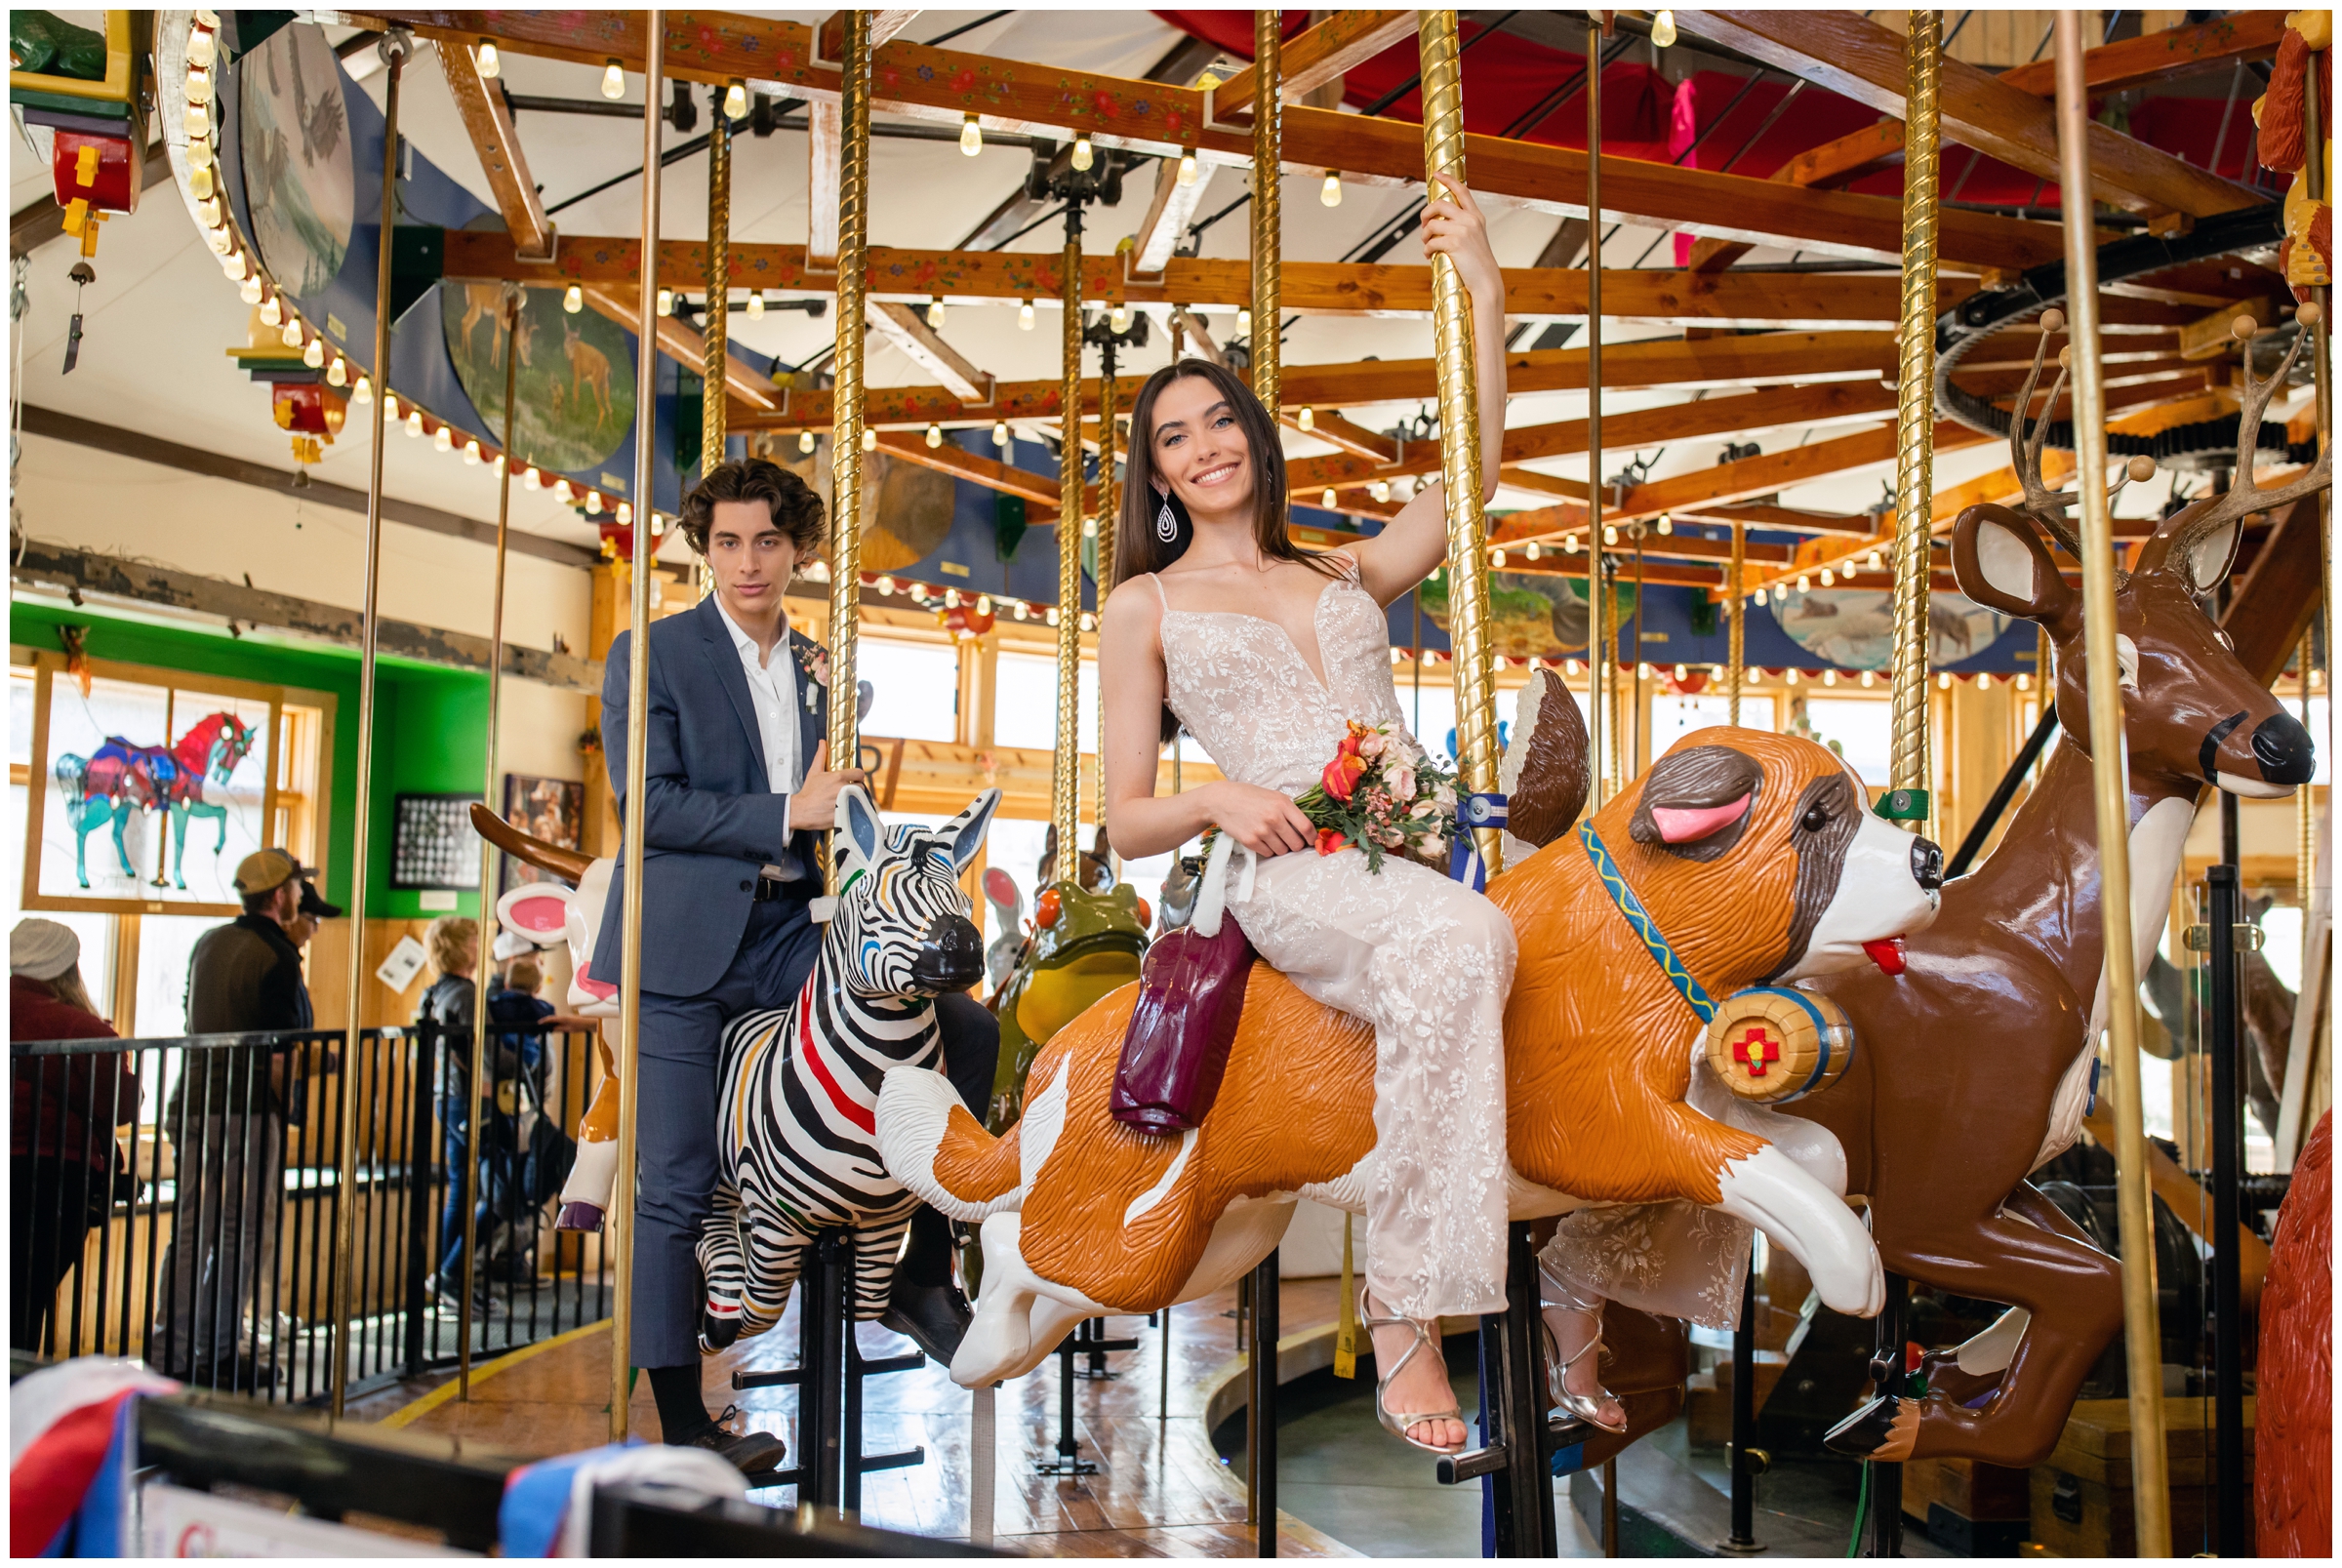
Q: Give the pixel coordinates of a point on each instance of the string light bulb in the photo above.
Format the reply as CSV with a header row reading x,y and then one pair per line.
x,y
1328,500
1001,436
363,392
199,180
1308,418
574,301
1667,524
202,50
313,355
291,335
1243,320
1380,489
971,136
564,494
1609,533
736,100
935,436
250,292
1533,550
805,442
471,454
443,439
414,421
1084,156
1329,194
983,604
531,479
271,312
869,440
1496,559
1663,28
1827,579
1804,583
338,375
1025,316
613,81
1186,167
1117,319
484,58
667,302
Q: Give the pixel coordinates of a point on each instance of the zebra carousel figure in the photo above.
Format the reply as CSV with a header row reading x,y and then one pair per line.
x,y
797,1150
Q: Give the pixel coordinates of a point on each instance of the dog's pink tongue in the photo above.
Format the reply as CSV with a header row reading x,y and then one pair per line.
x,y
1886,953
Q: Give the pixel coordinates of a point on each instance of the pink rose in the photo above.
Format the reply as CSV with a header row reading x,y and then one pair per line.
x,y
1402,783
1372,745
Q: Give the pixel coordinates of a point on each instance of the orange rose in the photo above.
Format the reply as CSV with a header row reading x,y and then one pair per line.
x,y
1329,840
1341,775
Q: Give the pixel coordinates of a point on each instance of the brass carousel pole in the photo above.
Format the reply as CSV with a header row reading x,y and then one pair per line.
x,y
1736,631
1267,210
513,300
1459,439
1107,511
1908,800
1601,630
638,701
846,506
719,289
1065,771
395,48
2149,1488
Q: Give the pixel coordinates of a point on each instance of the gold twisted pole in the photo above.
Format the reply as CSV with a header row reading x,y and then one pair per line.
x,y
1065,771
719,289
1914,448
638,738
514,299
1268,210
2149,1462
1601,630
1108,512
846,424
395,48
1736,630
2305,805
1459,436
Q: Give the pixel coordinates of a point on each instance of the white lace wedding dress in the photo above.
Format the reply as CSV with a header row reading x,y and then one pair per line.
x,y
1424,960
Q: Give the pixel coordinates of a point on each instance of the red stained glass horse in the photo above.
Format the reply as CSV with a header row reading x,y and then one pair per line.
x,y
122,777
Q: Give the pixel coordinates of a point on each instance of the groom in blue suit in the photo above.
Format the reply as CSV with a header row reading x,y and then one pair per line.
x,y
737,791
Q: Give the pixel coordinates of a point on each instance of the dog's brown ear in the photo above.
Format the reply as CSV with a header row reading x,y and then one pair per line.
x,y
1696,803
1547,768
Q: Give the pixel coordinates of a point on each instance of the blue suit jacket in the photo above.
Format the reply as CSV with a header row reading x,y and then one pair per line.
x,y
712,820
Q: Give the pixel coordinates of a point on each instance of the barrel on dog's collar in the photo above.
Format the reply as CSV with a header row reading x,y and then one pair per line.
x,y
1771,1044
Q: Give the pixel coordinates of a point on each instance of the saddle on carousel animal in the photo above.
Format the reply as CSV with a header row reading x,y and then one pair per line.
x,y
1746,858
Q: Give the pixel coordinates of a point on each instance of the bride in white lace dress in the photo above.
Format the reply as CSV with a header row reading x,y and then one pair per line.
x,y
1263,652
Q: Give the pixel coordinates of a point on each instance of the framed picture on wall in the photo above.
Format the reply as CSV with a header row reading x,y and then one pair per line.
x,y
432,846
551,809
146,787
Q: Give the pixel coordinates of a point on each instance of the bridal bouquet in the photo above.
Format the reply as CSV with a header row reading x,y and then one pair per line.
x,y
1382,794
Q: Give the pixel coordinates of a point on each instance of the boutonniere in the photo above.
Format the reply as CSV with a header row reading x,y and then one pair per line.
x,y
816,660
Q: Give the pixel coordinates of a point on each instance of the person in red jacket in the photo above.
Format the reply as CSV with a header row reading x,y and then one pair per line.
x,y
63,1111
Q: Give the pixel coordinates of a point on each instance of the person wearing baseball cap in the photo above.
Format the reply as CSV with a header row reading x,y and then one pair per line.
x,y
63,1114
230,1104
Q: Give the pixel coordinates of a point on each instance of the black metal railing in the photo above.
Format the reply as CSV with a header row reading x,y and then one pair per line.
x,y
177,1199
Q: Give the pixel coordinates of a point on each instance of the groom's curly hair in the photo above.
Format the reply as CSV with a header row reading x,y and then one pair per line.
x,y
795,508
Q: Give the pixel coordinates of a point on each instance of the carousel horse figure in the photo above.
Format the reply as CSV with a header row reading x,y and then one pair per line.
x,y
1942,1135
1754,855
121,778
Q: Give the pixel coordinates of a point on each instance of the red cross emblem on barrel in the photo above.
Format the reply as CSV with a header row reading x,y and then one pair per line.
x,y
1772,1044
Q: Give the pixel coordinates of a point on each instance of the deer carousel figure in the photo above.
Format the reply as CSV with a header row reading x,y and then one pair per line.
x,y
1409,1050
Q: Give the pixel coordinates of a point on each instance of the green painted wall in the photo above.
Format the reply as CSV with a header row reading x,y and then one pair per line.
x,y
430,724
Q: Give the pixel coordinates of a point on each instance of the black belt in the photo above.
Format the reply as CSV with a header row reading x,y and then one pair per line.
x,y
769,888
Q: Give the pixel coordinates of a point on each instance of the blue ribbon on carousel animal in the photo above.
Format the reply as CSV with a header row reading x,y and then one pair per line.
x,y
1640,918
1464,861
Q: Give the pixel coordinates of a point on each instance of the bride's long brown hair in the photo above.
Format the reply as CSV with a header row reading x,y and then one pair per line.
x,y
1139,549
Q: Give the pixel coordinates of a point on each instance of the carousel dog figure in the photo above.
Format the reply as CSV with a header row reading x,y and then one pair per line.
x,y
1756,857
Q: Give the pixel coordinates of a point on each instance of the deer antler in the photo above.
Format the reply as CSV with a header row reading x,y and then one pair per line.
x,y
2043,505
2244,497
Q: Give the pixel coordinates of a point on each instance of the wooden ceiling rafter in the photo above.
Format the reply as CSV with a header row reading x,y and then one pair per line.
x,y
682,343
1166,120
488,120
1310,59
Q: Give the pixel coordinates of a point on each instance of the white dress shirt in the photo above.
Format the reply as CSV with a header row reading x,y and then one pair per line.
x,y
772,693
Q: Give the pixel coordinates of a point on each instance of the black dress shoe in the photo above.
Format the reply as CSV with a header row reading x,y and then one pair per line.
x,y
933,1318
751,1453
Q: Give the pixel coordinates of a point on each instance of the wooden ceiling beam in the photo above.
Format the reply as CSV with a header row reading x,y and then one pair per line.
x,y
680,343
1156,117
1312,59
1038,490
1367,446
1168,215
488,121
1860,60
902,326
1758,515
1624,432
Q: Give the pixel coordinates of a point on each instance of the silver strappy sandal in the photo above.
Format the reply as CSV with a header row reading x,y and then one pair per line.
x,y
1582,1407
1397,1424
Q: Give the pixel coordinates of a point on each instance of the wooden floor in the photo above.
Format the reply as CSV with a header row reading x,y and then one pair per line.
x,y
1160,1490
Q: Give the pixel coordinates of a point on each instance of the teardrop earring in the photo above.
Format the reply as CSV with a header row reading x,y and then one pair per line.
x,y
1166,526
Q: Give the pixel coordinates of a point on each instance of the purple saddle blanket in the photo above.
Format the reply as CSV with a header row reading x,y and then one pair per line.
x,y
1190,998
